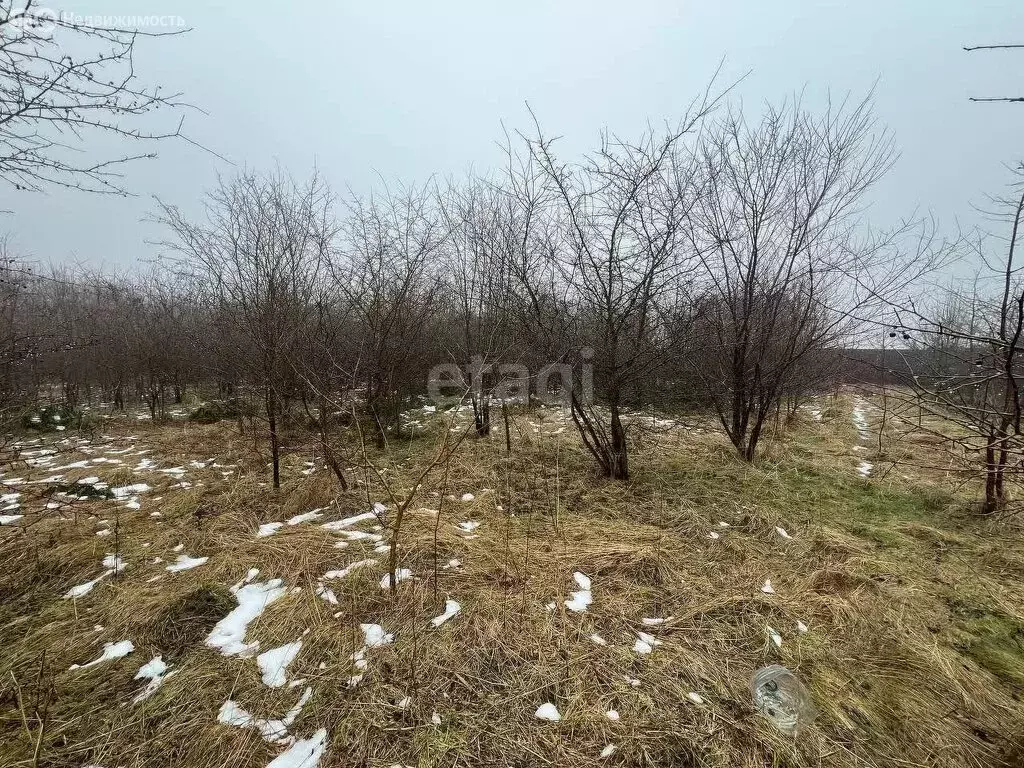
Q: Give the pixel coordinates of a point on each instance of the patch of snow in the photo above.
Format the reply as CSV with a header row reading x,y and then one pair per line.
x,y
274,663
8,519
782,532
801,627
645,643
596,639
608,751
268,529
348,569
451,609
469,526
305,517
125,491
111,651
185,563
695,697
229,633
154,670
613,715
775,637
304,753
468,497
348,522
547,711
579,600
401,574
768,589
326,593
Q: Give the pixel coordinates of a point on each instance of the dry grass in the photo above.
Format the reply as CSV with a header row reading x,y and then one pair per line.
x,y
914,654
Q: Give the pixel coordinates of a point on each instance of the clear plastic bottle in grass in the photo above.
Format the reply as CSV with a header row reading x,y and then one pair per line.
x,y
781,697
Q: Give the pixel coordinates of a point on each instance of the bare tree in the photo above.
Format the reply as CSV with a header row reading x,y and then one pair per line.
x,y
385,272
967,369
610,257
785,268
65,84
262,250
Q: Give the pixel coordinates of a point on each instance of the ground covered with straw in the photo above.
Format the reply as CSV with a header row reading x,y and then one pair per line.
x,y
629,616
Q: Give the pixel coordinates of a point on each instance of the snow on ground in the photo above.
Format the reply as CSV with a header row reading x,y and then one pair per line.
x,y
348,522
451,609
374,636
154,670
305,517
579,600
349,568
401,574
112,563
548,711
645,643
185,563
111,651
274,663
229,633
304,753
273,731
268,529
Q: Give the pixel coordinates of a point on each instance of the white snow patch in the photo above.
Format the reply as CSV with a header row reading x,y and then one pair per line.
x,y
468,497
268,529
185,563
274,663
326,593
154,670
348,569
645,643
348,522
547,711
229,634
305,517
782,532
304,753
608,751
695,697
579,600
451,609
768,589
469,526
401,574
613,715
111,651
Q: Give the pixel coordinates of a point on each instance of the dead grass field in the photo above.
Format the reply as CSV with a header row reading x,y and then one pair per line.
x,y
913,607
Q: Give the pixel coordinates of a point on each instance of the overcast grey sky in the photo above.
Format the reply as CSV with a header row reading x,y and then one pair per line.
x,y
403,90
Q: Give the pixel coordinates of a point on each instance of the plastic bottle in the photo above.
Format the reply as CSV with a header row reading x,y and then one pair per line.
x,y
781,697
